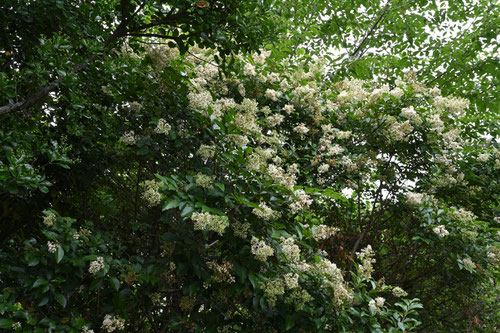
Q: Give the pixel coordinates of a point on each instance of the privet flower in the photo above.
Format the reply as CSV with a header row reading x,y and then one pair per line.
x,y
324,232
150,192
128,138
441,231
113,323
399,292
376,304
468,263
16,325
205,180
414,199
135,107
50,219
163,127
301,129
291,280
96,265
85,329
290,249
265,212
260,249
288,108
301,201
483,157
273,95
273,289
206,151
240,229
207,221
366,256
52,246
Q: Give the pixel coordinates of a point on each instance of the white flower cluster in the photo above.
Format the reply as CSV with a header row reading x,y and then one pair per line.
x,y
376,304
279,176
207,221
129,138
288,108
240,229
162,127
462,215
483,157
301,201
113,323
239,140
399,131
260,249
455,105
205,180
96,265
410,114
291,280
468,263
16,325
273,95
399,292
52,246
150,193
85,329
265,212
50,219
222,272
414,199
273,289
275,120
135,107
301,129
324,232
206,151
290,249
441,231
366,256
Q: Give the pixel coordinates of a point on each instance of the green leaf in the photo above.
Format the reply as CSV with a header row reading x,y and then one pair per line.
x,y
6,323
61,299
59,254
115,283
170,203
289,322
39,282
44,301
186,211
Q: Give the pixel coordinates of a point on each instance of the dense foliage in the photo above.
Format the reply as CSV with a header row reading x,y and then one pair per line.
x,y
156,186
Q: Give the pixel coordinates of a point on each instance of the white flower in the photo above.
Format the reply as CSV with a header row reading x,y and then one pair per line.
x,y
288,108
301,201
128,138
163,127
112,323
50,219
483,157
265,212
441,231
261,250
302,129
207,221
273,95
290,249
52,246
96,265
399,292
249,70
414,199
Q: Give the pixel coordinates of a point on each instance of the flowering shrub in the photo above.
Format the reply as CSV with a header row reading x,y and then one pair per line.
x,y
271,200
